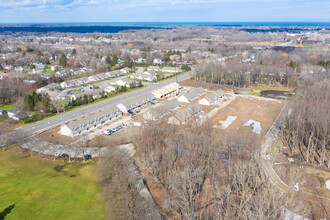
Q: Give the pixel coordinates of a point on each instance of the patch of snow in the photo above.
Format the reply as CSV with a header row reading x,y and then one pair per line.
x,y
327,184
256,126
225,124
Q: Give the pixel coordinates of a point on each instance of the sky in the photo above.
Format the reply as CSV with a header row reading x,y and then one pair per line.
x,y
71,11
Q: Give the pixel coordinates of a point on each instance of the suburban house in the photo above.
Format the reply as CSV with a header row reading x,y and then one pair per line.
x,y
68,83
19,69
212,98
182,116
140,70
55,68
106,86
136,102
90,121
143,77
17,114
124,82
141,60
163,109
61,73
220,93
49,87
151,72
157,61
156,68
191,95
165,91
125,70
171,69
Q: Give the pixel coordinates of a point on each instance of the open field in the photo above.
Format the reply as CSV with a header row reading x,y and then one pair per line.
x,y
245,109
7,107
208,86
38,188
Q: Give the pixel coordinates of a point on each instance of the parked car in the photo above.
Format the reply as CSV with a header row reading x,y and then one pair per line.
x,y
133,115
65,155
88,156
130,111
137,110
107,132
56,154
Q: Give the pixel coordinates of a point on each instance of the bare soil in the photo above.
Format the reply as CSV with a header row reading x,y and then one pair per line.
x,y
53,136
257,109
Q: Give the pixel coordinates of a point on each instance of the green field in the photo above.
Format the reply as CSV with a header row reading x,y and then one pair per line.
x,y
37,188
7,107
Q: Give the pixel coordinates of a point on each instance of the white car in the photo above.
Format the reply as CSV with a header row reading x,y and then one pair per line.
x,y
106,132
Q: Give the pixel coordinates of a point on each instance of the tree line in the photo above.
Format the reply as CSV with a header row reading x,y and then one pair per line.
x,y
203,175
306,129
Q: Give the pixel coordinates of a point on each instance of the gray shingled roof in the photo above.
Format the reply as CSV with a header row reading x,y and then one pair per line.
x,y
89,120
142,99
195,108
184,114
164,108
194,93
212,97
219,92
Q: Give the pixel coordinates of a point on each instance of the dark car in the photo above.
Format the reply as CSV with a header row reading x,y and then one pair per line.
x,y
88,156
130,111
65,155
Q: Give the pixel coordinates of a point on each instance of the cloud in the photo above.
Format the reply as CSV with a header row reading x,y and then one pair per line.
x,y
44,4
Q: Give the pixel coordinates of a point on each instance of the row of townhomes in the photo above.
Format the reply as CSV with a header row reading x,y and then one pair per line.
x,y
150,74
94,78
163,109
95,119
183,115
171,89
137,102
90,121
193,94
212,98
94,88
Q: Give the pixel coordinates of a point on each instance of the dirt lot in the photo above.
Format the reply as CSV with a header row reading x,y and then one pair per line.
x,y
115,139
208,86
244,109
53,136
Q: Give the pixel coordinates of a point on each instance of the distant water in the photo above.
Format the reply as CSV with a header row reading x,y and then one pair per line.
x,y
115,27
185,23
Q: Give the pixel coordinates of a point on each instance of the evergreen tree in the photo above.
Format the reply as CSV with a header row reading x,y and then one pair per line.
x,y
85,101
46,101
30,102
63,61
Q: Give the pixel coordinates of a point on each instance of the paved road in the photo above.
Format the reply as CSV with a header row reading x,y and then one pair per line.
x,y
65,117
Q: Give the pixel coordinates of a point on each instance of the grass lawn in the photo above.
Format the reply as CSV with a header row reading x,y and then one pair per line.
x,y
7,107
38,191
